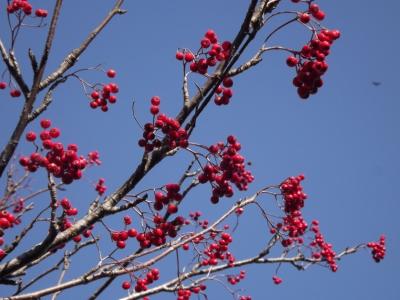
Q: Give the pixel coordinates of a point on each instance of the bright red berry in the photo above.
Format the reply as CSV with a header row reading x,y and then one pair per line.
x,y
126,285
304,18
41,13
189,56
179,55
45,123
111,73
292,61
30,136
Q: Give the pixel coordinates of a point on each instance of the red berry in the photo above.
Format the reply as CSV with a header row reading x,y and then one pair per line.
x,y
127,220
30,136
45,123
132,232
121,244
277,280
314,8
41,13
292,61
15,93
126,285
155,100
54,132
179,55
319,15
226,45
3,85
189,56
154,110
172,208
205,43
304,18
111,73
227,82
210,34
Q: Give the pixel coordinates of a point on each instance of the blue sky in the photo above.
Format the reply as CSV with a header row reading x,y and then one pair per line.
x,y
344,139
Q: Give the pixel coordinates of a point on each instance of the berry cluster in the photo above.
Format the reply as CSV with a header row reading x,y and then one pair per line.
x,y
120,237
218,250
100,187
94,158
25,7
101,98
67,206
185,294
378,249
310,60
157,236
224,93
62,163
293,194
322,249
231,169
313,10
170,198
237,278
175,135
209,54
141,284
293,197
7,220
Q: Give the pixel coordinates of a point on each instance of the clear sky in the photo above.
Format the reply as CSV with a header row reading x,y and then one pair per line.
x,y
345,139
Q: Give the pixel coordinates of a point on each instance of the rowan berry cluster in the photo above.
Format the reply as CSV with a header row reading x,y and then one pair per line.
x,y
120,237
185,294
231,169
63,162
322,249
209,54
378,249
7,220
102,97
218,250
293,194
25,7
293,222
175,135
237,278
141,284
313,10
224,93
169,199
310,60
100,187
69,210
157,236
